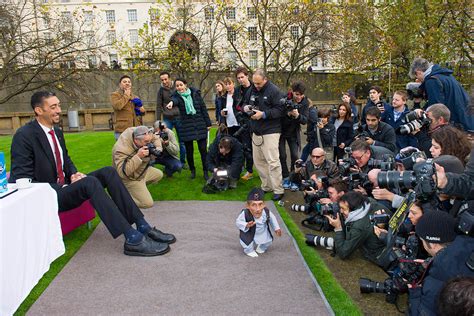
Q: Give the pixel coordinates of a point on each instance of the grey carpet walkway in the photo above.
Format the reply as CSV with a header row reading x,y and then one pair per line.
x,y
205,273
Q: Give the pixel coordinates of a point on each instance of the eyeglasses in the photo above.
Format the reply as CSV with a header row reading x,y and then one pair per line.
x,y
359,158
315,156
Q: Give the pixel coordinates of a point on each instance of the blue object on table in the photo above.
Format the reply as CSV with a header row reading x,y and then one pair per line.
x,y
3,173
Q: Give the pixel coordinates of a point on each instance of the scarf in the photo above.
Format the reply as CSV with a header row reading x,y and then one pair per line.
x,y
188,102
358,213
427,72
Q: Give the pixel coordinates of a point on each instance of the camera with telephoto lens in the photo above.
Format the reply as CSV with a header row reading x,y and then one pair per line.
x,y
404,270
153,150
360,179
379,220
385,164
318,220
420,179
289,104
412,122
315,240
346,164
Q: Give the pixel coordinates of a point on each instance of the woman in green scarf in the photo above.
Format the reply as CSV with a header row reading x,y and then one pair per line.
x,y
195,122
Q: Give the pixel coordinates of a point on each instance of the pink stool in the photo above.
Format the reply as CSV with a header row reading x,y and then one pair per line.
x,y
76,217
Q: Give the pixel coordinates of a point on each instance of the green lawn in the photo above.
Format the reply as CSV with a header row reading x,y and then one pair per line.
x,y
91,150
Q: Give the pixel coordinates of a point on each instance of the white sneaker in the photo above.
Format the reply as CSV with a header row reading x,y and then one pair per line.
x,y
252,254
259,250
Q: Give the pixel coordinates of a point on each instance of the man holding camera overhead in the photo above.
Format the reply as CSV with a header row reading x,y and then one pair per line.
x,y
133,156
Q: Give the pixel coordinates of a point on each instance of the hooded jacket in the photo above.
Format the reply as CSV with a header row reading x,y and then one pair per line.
x,y
358,233
441,87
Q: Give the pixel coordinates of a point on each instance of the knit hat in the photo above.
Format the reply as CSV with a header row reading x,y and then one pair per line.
x,y
256,194
450,163
436,227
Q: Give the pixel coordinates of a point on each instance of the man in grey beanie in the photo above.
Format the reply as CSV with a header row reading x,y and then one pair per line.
x,y
452,256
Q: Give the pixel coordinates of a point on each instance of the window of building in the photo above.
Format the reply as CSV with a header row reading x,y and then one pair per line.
x,y
295,31
154,15
273,30
230,13
253,58
90,37
273,12
251,12
231,34
88,16
66,16
182,12
92,59
112,58
209,13
46,23
133,36
111,37
132,15
110,16
232,57
252,33
47,37
296,10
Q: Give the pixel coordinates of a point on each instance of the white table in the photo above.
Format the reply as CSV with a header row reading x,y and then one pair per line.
x,y
30,240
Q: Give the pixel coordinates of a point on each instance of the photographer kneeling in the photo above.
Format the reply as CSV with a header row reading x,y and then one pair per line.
x,y
169,158
317,164
452,257
225,159
132,156
357,230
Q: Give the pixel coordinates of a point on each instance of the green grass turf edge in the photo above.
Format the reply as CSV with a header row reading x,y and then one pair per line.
x,y
340,301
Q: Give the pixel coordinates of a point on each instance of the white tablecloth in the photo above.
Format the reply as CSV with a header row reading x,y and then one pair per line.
x,y
30,239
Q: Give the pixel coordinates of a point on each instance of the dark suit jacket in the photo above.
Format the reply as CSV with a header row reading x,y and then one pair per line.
x,y
32,156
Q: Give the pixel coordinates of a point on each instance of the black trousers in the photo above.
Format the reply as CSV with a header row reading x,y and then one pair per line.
x,y
202,144
246,140
293,144
117,209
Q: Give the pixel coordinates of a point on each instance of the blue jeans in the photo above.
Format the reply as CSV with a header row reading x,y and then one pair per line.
x,y
176,124
171,164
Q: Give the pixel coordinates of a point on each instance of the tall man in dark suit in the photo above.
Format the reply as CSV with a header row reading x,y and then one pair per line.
x,y
35,154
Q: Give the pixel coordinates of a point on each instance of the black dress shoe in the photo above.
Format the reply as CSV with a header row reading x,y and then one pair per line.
x,y
159,236
277,197
146,248
193,174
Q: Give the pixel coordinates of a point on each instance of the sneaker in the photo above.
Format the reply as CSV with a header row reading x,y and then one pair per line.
x,y
252,254
247,176
294,187
259,250
286,184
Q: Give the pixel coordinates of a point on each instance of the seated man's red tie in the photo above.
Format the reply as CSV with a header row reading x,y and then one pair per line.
x,y
57,154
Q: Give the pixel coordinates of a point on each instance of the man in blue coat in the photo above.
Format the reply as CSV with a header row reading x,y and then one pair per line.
x,y
394,117
450,258
440,86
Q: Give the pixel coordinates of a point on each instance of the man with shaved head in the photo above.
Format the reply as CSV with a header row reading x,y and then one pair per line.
x,y
263,106
317,166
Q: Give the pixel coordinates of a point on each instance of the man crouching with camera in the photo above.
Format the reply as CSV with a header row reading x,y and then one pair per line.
x,y
225,159
133,156
170,145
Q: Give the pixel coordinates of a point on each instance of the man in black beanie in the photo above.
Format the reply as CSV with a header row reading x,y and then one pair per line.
x,y
452,256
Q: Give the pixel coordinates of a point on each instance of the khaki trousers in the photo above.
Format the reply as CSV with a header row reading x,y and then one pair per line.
x,y
138,189
266,158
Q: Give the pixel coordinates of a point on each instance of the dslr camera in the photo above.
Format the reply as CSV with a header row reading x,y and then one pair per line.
x,y
163,135
420,179
403,271
412,122
388,163
153,150
318,220
360,179
289,104
219,181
